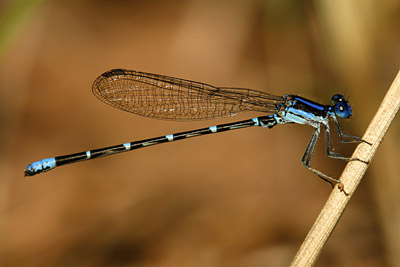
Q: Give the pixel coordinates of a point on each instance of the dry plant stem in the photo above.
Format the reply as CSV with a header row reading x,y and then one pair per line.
x,y
351,177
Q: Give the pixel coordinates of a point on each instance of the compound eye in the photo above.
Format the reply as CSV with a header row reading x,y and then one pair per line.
x,y
343,110
336,99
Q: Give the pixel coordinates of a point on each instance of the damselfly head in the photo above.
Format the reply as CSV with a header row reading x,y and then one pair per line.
x,y
341,107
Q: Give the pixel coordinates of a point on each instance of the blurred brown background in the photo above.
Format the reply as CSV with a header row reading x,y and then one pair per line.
x,y
240,198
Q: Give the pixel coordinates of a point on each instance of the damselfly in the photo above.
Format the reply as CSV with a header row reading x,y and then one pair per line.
x,y
169,98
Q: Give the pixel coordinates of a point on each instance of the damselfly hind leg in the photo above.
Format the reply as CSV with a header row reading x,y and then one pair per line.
x,y
307,159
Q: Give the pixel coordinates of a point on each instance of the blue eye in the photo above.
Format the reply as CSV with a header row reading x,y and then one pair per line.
x,y
343,110
341,107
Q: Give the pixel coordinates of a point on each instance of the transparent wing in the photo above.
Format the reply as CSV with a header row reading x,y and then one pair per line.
x,y
169,98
